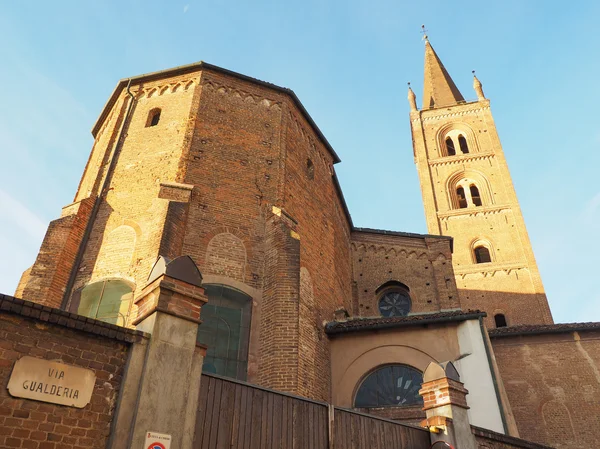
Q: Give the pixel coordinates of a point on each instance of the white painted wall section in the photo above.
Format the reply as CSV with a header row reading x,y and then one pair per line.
x,y
476,373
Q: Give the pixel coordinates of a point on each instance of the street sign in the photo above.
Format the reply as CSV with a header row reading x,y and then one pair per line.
x,y
157,441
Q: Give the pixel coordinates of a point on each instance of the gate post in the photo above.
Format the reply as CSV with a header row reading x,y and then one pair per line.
x,y
167,374
445,405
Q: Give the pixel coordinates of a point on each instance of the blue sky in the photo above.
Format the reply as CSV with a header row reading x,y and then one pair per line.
x,y
348,61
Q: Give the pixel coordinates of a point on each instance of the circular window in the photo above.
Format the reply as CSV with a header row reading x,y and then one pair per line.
x,y
390,386
394,303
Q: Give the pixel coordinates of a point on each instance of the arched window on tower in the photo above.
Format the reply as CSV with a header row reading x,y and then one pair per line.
x,y
153,117
390,386
462,199
500,320
475,197
462,142
482,254
450,146
225,330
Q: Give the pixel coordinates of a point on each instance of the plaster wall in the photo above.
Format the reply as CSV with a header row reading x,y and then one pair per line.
x,y
355,355
476,374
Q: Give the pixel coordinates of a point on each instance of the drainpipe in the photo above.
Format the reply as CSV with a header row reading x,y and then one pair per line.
x,y
97,202
493,372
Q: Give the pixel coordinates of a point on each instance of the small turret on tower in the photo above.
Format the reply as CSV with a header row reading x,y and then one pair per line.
x,y
478,87
412,99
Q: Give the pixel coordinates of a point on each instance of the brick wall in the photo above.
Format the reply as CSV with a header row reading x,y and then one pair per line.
x,y
45,283
486,439
28,329
423,264
240,148
553,383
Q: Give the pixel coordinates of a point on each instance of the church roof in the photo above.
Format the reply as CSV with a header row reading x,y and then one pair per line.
x,y
378,323
537,329
438,88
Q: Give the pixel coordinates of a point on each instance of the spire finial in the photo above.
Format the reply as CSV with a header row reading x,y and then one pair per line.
x,y
424,33
412,99
478,87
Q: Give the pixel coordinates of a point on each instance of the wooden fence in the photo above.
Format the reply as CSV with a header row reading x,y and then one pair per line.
x,y
237,415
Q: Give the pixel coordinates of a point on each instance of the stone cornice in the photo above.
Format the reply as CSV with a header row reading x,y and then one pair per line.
x,y
488,269
456,160
468,212
461,110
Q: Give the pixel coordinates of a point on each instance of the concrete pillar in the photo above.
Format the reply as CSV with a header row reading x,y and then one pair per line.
x,y
445,405
166,376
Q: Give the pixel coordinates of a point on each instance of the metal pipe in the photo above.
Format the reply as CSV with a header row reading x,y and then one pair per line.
x,y
97,203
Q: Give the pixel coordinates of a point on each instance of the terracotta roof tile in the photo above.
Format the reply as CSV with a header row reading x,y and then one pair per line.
x,y
373,323
532,329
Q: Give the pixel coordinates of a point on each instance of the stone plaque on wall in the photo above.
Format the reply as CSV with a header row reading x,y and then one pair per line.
x,y
43,380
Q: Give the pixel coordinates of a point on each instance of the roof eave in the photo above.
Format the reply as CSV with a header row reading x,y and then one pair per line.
x,y
383,326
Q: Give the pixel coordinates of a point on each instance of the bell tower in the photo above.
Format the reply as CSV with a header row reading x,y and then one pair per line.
x,y
468,194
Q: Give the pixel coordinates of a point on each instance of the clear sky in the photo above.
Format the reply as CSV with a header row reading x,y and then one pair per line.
x,y
348,61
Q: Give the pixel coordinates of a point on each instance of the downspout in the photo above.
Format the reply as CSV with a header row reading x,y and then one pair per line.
x,y
97,202
494,378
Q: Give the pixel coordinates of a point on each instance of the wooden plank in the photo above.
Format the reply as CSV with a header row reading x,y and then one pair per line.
x,y
325,427
257,399
208,417
201,413
285,425
264,421
237,412
290,414
243,417
249,394
216,411
226,412
355,429
277,421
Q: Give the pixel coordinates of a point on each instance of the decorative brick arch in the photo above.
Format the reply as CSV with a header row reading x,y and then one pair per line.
x,y
467,177
453,130
226,256
558,422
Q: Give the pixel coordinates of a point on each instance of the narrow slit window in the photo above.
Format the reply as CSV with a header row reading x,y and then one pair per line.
x,y
462,199
464,148
450,147
153,118
310,169
475,195
482,255
500,320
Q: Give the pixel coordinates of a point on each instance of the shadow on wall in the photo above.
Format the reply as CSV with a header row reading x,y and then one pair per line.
x,y
507,308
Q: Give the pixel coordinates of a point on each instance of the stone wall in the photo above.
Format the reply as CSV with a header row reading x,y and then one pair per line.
x,y
552,377
28,329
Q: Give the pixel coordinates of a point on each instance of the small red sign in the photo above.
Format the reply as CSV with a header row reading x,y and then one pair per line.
x,y
156,445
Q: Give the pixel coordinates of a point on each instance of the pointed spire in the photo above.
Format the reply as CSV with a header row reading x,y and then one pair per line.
x,y
438,88
412,99
478,87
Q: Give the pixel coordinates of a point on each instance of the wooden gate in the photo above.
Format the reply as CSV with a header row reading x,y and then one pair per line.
x,y
235,415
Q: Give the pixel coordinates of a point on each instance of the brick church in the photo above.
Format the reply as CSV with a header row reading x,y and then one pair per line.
x,y
289,295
